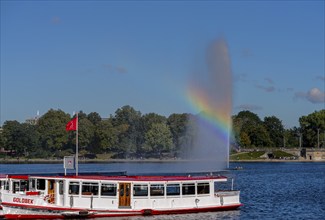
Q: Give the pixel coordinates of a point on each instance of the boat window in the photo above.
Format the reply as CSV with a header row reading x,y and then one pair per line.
x,y
2,184
33,184
74,188
90,189
6,185
173,189
203,188
23,186
108,189
40,184
140,190
157,190
15,187
61,187
188,188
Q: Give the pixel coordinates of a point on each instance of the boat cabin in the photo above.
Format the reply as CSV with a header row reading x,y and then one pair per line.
x,y
119,192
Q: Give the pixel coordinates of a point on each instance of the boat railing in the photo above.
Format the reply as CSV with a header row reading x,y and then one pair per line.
x,y
225,186
226,193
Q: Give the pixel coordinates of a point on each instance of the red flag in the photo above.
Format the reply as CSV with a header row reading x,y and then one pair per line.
x,y
72,125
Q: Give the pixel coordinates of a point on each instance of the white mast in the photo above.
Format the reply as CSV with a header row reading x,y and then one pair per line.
x,y
77,125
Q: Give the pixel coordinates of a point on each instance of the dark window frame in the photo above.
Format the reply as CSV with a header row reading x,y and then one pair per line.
x,y
157,189
188,189
74,187
140,190
173,189
112,189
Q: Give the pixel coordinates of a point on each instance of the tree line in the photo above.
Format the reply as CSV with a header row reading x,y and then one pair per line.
x,y
130,134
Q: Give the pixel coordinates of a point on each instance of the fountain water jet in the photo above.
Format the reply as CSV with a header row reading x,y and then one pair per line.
x,y
210,93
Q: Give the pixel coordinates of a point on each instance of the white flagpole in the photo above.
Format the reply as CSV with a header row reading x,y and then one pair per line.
x,y
77,125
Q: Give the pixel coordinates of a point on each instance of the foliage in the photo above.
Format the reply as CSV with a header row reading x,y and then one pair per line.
x,y
51,126
275,129
292,136
86,133
250,132
177,125
254,155
94,118
105,137
313,129
130,141
19,138
158,139
129,134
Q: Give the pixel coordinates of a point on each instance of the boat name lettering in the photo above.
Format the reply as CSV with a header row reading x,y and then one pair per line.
x,y
23,200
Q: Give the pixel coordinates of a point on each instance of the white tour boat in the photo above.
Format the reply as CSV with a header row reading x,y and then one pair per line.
x,y
92,196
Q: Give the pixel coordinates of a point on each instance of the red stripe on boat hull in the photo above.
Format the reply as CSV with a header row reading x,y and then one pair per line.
x,y
124,213
56,216
27,216
196,210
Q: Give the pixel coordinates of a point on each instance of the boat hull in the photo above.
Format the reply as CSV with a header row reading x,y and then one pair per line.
x,y
46,213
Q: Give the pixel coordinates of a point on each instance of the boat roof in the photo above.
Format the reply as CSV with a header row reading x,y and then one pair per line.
x,y
3,176
121,178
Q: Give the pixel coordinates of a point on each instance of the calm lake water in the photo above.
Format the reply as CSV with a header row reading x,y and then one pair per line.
x,y
289,190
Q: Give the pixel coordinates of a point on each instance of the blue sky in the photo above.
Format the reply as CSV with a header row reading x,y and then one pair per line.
x,y
97,56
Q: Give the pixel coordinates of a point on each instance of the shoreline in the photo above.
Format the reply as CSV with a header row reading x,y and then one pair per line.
x,y
86,161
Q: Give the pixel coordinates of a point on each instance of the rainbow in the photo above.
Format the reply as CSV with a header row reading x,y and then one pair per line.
x,y
215,116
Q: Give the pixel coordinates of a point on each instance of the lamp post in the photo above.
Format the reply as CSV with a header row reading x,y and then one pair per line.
x,y
318,137
300,137
324,139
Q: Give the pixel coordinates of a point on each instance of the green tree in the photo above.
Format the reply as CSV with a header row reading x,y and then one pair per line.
x,y
275,129
249,117
313,127
31,139
152,118
245,141
130,142
236,132
106,137
177,124
254,129
86,132
259,136
2,140
51,127
292,137
12,137
159,139
94,117
20,138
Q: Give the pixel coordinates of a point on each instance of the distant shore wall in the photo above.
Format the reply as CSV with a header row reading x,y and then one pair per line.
x,y
303,154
